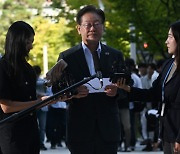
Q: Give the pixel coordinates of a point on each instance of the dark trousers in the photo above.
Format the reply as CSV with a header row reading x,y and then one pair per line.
x,y
97,146
133,131
21,137
56,125
41,116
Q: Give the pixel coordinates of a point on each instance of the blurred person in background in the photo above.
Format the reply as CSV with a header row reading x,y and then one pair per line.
x,y
147,81
142,68
134,107
41,90
159,65
56,124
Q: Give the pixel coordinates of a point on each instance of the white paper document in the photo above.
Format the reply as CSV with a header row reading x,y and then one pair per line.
x,y
94,86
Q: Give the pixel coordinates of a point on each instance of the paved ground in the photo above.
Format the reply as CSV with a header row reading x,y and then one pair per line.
x,y
63,150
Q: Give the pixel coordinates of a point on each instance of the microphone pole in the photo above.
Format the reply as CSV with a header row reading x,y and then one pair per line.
x,y
45,102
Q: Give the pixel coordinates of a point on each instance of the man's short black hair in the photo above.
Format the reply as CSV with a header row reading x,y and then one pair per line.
x,y
152,65
142,65
130,62
160,63
90,8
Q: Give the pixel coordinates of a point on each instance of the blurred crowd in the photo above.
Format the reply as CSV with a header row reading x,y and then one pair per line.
x,y
141,117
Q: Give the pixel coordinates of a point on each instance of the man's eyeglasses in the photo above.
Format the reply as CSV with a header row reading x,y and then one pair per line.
x,y
95,25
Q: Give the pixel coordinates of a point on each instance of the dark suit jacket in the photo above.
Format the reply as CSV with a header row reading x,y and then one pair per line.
x,y
171,119
96,111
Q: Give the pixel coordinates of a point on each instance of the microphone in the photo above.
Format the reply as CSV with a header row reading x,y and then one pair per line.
x,y
97,66
99,76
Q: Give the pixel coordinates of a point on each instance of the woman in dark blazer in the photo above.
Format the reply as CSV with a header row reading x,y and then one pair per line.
x,y
18,92
166,89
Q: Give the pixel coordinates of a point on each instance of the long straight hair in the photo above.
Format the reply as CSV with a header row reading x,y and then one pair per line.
x,y
175,27
15,45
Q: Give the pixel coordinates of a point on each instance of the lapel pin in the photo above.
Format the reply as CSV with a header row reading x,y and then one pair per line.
x,y
107,53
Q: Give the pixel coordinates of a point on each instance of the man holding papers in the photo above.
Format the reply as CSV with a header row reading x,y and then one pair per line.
x,y
93,120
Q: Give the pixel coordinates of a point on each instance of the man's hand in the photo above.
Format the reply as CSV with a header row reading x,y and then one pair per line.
x,y
82,92
177,148
111,90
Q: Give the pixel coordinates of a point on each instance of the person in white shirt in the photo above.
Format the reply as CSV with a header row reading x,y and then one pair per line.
x,y
147,82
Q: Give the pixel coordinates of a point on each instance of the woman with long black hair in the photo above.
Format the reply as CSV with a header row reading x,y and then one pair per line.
x,y
18,92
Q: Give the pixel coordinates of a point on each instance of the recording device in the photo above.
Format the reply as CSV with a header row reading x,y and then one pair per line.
x,y
119,71
60,77
65,81
16,116
117,76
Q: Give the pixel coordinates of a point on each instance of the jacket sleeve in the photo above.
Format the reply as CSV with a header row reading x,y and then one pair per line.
x,y
177,106
155,92
152,94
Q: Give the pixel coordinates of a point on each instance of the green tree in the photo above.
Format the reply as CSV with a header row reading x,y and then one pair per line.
x,y
151,20
115,34
50,34
13,10
48,31
69,11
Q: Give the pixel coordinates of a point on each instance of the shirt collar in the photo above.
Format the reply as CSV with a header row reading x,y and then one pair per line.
x,y
85,48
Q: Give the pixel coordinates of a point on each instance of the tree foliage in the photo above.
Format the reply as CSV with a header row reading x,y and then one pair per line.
x,y
14,10
151,20
10,11
48,32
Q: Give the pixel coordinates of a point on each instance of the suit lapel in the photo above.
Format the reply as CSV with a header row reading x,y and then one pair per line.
x,y
173,76
104,60
167,68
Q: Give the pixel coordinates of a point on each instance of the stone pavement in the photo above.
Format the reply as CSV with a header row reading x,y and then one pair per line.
x,y
63,150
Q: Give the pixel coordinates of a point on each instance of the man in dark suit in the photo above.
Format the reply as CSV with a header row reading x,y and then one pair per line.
x,y
93,125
